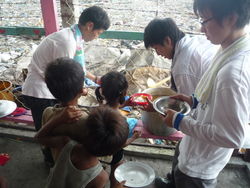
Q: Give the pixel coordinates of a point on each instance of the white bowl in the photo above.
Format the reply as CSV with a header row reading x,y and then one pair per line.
x,y
136,174
152,120
6,107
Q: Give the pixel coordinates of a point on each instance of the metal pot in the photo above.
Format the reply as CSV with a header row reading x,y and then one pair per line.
x,y
152,120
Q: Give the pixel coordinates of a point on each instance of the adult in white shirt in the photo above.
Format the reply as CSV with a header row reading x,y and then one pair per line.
x,y
65,43
220,119
190,55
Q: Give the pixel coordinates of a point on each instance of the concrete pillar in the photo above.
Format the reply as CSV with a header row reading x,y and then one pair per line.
x,y
50,19
69,12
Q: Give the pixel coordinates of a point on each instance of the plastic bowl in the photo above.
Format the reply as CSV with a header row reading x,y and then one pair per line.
x,y
140,98
136,174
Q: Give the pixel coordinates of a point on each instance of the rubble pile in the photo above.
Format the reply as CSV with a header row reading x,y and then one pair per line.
x,y
105,55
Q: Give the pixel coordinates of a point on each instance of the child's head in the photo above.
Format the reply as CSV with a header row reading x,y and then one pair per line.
x,y
106,131
64,78
113,88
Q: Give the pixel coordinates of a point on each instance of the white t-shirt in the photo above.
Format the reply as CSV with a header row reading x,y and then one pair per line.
x,y
214,130
191,59
58,44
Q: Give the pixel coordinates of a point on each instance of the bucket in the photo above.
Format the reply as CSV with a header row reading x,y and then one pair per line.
x,y
5,90
152,120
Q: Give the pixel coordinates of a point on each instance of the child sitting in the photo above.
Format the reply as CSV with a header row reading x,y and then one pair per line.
x,y
77,137
112,91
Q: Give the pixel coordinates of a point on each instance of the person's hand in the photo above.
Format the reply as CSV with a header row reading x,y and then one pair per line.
x,y
69,114
168,118
119,185
182,97
98,80
136,134
84,91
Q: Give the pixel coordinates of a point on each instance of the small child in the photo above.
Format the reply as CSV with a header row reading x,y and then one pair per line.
x,y
112,91
77,137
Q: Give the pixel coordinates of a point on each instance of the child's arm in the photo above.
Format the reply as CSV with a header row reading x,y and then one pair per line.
x,y
48,134
136,135
127,102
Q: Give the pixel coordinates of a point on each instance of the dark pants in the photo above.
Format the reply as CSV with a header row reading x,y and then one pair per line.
x,y
182,180
37,106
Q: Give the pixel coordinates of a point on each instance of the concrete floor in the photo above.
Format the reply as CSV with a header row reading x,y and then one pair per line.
x,y
26,168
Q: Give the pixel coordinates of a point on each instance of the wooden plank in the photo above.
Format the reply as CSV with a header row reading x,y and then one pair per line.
x,y
8,31
26,118
158,153
17,134
124,35
13,125
31,31
178,135
152,145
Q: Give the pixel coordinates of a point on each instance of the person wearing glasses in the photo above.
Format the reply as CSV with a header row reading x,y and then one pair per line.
x,y
191,55
219,122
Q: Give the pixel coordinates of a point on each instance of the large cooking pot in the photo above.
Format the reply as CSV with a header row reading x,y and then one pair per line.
x,y
152,120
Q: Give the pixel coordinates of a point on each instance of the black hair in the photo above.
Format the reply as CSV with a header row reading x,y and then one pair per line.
x,y
114,86
158,29
220,9
106,131
96,15
64,78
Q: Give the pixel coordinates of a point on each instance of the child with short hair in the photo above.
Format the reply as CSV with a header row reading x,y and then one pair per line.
x,y
77,136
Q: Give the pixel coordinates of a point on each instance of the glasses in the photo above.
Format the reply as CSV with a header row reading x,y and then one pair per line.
x,y
203,22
